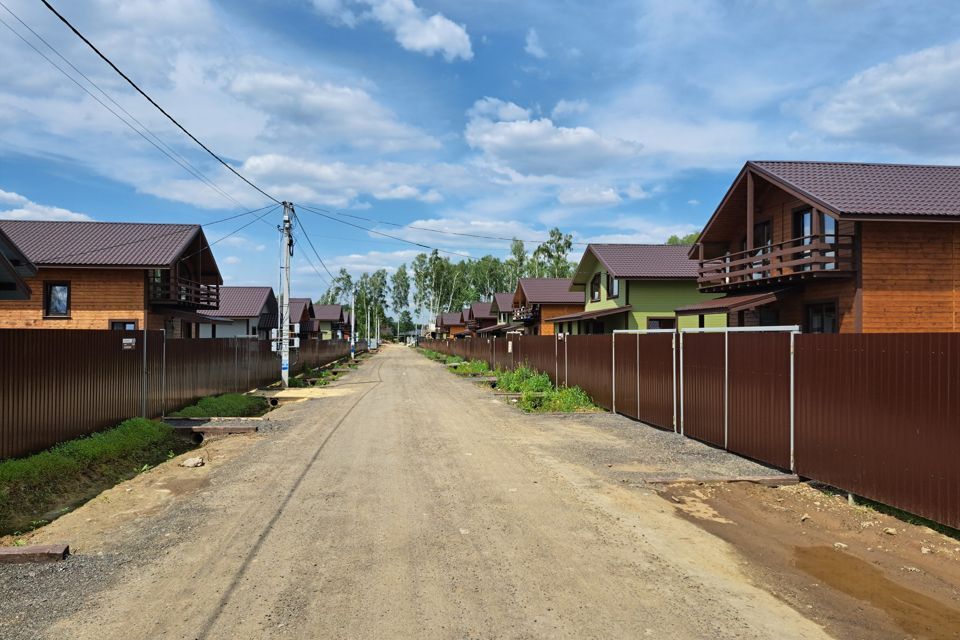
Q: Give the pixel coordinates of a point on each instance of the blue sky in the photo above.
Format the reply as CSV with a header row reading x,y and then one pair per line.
x,y
616,121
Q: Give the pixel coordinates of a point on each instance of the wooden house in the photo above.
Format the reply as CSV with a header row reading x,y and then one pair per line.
x,y
479,317
451,325
835,247
330,320
538,300
501,308
243,312
113,275
635,286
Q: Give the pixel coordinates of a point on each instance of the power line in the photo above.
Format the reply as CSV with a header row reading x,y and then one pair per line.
x,y
166,149
153,102
303,230
306,257
237,230
386,235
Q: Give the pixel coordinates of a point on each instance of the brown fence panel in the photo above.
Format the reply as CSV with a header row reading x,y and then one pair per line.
x,y
877,415
702,381
537,352
626,387
759,397
589,364
56,385
655,374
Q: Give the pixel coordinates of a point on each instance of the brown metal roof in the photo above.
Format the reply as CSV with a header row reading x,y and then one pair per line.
x,y
240,302
638,261
730,304
480,310
120,244
865,189
328,312
590,315
14,266
502,302
298,306
549,291
452,319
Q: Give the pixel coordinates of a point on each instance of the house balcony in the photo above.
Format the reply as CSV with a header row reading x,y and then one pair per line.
x,y
527,315
176,292
802,258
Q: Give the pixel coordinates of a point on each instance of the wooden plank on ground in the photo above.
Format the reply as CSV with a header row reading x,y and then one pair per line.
x,y
35,553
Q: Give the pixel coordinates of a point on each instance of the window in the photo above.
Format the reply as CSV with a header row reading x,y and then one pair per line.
x,y
123,325
613,287
822,317
661,323
56,299
595,288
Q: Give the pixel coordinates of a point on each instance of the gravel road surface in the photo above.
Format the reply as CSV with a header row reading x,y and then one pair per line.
x,y
405,503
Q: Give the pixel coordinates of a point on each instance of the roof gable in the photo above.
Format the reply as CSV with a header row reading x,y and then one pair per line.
x,y
548,291
637,262
481,310
241,302
328,312
502,303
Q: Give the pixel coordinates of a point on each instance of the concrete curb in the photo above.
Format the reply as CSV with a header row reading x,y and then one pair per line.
x,y
35,553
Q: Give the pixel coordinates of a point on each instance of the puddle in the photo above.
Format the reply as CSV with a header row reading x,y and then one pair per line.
x,y
915,613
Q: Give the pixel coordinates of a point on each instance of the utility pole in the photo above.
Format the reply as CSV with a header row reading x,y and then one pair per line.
x,y
285,308
353,324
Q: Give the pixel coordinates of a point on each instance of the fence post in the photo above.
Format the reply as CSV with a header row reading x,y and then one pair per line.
x,y
726,388
566,364
556,359
673,351
613,371
793,335
143,391
681,383
638,376
163,377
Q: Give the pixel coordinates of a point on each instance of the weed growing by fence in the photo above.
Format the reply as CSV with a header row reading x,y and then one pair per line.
x,y
523,379
562,400
74,471
473,367
227,405
440,357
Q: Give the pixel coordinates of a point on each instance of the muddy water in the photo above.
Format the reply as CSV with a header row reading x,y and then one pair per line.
x,y
916,614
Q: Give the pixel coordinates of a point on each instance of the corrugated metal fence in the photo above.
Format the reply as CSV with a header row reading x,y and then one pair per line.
x,y
59,384
872,414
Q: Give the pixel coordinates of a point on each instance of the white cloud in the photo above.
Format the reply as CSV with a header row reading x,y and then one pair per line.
x,y
590,195
22,208
336,11
415,31
636,192
538,146
693,203
533,46
641,230
301,109
568,108
910,103
497,109
232,260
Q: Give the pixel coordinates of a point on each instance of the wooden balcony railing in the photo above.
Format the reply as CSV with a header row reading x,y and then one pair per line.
x,y
526,314
184,293
797,258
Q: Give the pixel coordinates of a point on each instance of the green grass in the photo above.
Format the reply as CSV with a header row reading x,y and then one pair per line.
x,y
562,400
40,487
473,367
441,357
227,405
523,379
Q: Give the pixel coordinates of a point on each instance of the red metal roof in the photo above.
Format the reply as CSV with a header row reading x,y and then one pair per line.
x,y
730,304
590,315
550,291
640,261
121,244
872,189
240,302
452,319
297,307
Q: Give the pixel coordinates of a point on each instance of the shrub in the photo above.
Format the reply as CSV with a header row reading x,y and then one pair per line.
x,y
523,379
228,405
472,368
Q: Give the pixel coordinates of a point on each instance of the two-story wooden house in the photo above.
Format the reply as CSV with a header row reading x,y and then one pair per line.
x,y
479,317
635,286
835,247
14,268
537,301
501,308
113,275
451,325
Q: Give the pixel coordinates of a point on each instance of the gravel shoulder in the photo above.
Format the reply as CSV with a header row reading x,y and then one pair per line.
x,y
412,505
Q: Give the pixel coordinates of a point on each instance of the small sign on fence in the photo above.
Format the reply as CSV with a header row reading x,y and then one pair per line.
x,y
129,344
509,346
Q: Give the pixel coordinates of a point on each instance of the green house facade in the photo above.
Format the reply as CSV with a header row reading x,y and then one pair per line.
x,y
633,286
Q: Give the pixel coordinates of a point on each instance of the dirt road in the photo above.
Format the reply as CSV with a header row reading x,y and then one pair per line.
x,y
404,504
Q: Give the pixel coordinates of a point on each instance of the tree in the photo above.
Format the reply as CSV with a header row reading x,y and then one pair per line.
x,y
517,262
340,289
552,257
400,292
690,238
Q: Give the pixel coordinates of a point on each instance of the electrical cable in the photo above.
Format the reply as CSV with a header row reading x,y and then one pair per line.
x,y
154,103
310,242
167,150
